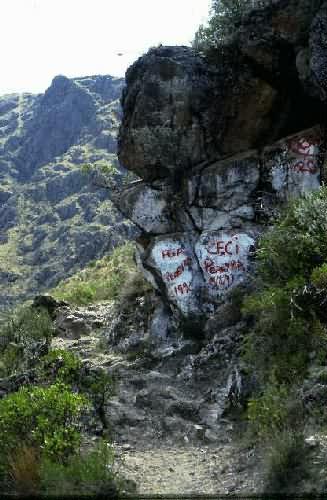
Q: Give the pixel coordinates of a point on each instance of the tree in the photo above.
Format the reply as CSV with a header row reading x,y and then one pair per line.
x,y
226,16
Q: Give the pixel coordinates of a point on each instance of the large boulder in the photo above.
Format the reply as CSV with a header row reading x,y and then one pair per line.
x,y
179,111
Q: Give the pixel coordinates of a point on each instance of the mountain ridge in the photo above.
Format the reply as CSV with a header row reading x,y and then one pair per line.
x,y
53,221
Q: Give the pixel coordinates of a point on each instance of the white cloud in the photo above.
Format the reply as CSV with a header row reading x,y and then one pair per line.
x,y
43,38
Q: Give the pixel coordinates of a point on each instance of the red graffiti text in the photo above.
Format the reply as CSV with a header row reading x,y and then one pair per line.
x,y
234,265
305,166
304,146
223,248
185,288
222,281
171,276
172,252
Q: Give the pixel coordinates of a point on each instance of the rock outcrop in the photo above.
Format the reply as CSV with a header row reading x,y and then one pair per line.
x,y
220,145
180,111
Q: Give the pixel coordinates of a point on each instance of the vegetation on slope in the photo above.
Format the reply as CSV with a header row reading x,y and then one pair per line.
x,y
43,423
289,332
114,276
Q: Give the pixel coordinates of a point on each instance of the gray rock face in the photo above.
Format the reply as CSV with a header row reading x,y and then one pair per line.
x,y
62,112
278,40
318,46
203,138
180,111
198,242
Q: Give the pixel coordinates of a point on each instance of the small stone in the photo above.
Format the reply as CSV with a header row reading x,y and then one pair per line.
x,y
312,442
126,446
210,436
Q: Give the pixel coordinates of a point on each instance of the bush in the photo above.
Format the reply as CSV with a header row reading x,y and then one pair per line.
x,y
226,16
277,409
289,321
26,324
25,332
46,419
285,462
60,366
88,474
319,278
288,333
297,244
280,341
268,413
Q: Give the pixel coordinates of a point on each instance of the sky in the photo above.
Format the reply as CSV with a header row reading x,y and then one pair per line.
x,y
44,38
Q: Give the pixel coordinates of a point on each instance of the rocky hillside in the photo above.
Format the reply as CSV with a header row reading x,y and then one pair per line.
x,y
52,219
214,378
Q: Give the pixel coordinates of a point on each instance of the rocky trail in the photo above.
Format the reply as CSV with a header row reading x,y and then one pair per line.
x,y
161,439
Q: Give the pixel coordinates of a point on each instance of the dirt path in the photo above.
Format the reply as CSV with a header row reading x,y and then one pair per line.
x,y
192,470
159,466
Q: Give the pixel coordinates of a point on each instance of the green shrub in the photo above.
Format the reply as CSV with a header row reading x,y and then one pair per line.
x,y
287,332
319,277
277,409
99,384
286,308
225,18
24,471
88,474
44,418
280,340
285,462
26,324
20,334
60,365
297,244
268,413
225,15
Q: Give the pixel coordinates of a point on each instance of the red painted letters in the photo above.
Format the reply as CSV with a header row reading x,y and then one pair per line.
x,y
222,281
172,252
171,276
221,248
182,289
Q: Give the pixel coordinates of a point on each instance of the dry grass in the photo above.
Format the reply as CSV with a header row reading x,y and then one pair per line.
x,y
25,470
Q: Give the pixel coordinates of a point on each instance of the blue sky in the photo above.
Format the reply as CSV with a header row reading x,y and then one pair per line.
x,y
44,38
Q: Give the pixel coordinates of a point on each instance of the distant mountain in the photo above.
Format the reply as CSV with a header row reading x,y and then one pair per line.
x,y
52,220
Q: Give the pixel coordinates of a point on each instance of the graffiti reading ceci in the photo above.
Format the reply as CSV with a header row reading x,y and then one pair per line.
x,y
224,259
